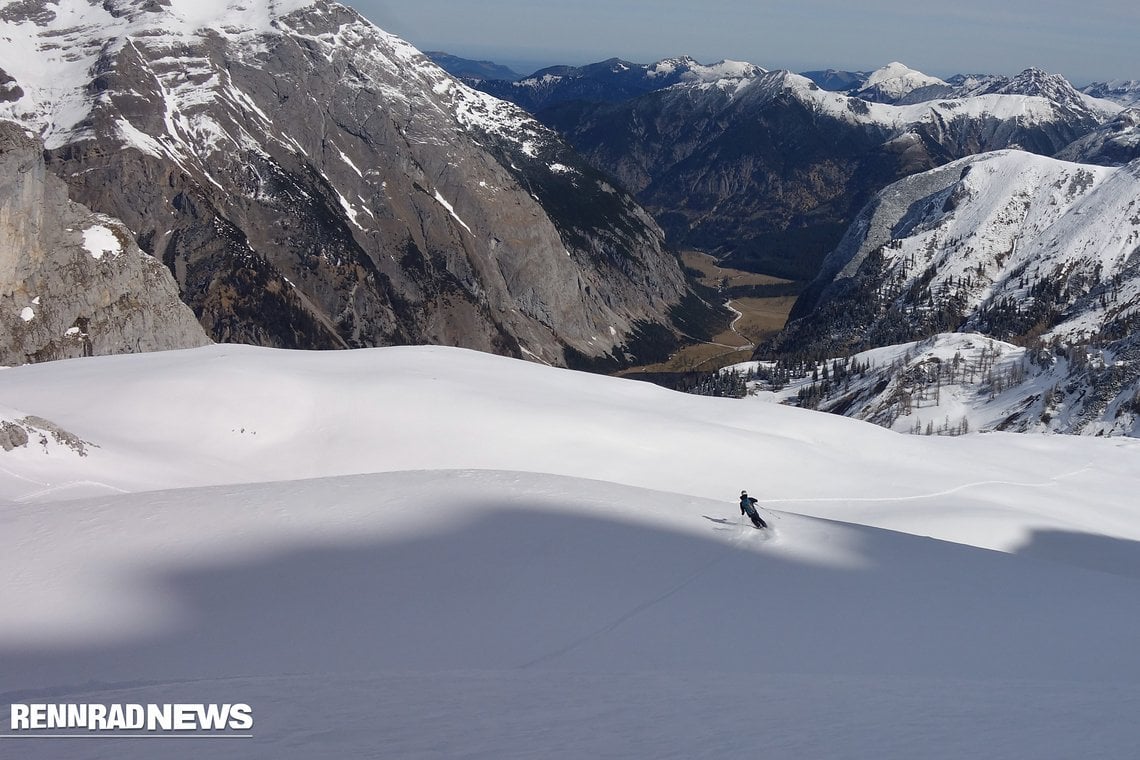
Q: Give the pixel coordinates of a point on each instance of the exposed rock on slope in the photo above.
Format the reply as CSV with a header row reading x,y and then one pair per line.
x,y
72,282
315,182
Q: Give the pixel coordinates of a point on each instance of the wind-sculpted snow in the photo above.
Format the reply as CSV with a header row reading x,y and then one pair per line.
x,y
425,552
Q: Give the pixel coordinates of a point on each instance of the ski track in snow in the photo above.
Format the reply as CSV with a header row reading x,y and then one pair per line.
x,y
934,495
638,609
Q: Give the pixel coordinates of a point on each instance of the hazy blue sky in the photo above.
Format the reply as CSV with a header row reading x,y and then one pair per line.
x,y
1085,41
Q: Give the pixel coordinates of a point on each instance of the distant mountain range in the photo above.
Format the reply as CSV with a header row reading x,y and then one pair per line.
x,y
465,68
767,169
919,211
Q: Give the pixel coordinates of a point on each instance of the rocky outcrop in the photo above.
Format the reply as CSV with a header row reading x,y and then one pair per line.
x,y
21,431
72,282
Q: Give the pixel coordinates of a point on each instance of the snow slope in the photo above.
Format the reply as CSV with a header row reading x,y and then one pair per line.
x,y
429,552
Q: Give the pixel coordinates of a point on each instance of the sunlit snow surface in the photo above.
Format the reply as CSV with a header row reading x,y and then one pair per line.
x,y
430,552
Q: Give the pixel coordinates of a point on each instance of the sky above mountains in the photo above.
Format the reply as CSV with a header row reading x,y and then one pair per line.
x,y
1094,43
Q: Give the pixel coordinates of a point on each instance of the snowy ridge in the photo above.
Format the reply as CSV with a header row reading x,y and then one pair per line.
x,y
1003,106
1126,92
957,383
52,59
1019,219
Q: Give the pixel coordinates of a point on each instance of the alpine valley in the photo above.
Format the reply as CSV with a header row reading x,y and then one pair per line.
x,y
981,216
766,169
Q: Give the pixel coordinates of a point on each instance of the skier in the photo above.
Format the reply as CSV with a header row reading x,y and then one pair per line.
x,y
748,507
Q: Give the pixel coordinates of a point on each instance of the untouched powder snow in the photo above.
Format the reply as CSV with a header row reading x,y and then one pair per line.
x,y
430,552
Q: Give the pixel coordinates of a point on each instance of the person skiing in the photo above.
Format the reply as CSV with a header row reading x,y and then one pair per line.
x,y
748,507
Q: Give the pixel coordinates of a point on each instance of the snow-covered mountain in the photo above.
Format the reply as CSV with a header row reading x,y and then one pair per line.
x,y
1113,144
444,553
1019,247
1126,92
313,181
770,170
956,383
893,82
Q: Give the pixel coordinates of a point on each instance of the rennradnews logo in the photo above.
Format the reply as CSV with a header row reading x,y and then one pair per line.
x,y
216,720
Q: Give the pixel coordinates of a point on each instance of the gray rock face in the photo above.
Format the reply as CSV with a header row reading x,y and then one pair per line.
x,y
313,182
16,433
72,283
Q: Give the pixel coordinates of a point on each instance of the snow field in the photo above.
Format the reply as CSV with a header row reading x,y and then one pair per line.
x,y
430,552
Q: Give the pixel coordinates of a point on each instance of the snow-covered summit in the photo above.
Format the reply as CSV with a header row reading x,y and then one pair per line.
x,y
53,55
894,81
722,70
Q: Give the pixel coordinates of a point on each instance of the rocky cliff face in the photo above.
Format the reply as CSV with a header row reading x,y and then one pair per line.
x,y
314,182
72,282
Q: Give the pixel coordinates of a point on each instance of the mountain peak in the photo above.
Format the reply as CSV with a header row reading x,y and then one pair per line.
x,y
894,81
